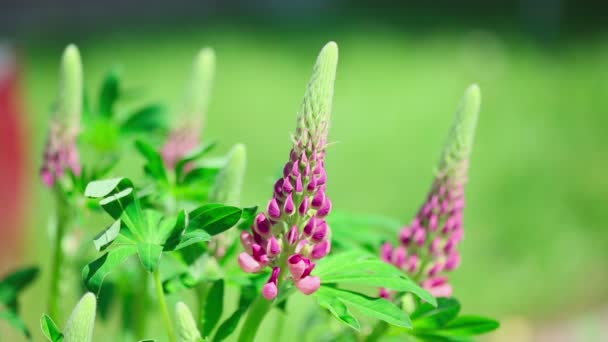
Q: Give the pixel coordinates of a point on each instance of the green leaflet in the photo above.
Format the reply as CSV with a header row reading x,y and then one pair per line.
x,y
338,309
427,316
214,306
362,268
149,255
10,288
459,143
201,82
109,93
316,107
229,183
186,326
214,218
50,330
94,273
155,167
192,156
145,119
379,308
69,100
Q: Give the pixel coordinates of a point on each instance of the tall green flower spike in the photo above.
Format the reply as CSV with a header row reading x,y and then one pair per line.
x,y
69,100
61,152
316,107
79,327
201,82
186,325
229,182
186,136
459,144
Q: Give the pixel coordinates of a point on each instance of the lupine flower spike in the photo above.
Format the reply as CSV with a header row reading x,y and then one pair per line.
x,y
186,136
61,152
428,245
292,233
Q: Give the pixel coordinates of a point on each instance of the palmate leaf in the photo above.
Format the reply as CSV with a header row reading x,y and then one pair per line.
x,y
149,255
362,268
191,238
379,308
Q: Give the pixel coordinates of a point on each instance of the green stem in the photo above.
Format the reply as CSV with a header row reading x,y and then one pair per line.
x,y
278,328
259,308
57,260
141,301
162,302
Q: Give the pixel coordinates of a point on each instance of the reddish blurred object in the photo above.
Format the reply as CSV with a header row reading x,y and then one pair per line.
x,y
12,158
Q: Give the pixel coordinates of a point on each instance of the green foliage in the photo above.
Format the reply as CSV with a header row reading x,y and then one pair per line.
x,y
214,306
11,287
79,327
50,330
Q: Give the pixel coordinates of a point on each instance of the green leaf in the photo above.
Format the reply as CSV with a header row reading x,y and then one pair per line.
x,y
191,238
149,255
205,175
79,327
117,203
177,232
50,329
106,237
338,309
248,294
379,308
103,188
428,317
94,273
191,156
144,120
186,326
15,282
214,218
110,91
214,306
469,326
179,282
361,268
247,217
155,166
15,321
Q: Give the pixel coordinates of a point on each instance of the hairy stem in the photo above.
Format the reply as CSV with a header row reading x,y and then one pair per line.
x,y
162,302
258,310
57,259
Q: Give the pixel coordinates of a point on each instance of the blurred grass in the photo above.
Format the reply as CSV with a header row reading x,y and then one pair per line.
x,y
536,232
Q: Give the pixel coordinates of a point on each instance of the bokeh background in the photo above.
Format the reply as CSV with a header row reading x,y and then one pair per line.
x,y
536,248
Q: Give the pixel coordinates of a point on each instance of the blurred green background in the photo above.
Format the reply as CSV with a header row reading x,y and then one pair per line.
x,y
536,237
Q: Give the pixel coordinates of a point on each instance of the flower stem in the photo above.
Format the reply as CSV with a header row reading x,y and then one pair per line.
x,y
57,260
259,308
162,302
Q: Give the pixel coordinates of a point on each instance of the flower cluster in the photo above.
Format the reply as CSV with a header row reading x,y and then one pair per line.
x,y
292,233
180,142
428,245
61,152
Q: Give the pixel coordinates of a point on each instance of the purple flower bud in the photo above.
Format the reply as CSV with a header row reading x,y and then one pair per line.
x,y
452,262
289,205
273,247
310,226
419,236
299,186
273,209
287,187
435,269
399,257
433,223
435,247
303,208
405,235
384,294
438,287
261,224
278,187
293,155
387,252
308,285
270,290
321,249
412,263
295,170
322,178
247,241
304,160
321,232
297,266
444,207
287,169
292,235
318,199
325,209
312,185
248,263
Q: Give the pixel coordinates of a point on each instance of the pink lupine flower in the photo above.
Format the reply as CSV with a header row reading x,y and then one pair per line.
x,y
427,248
292,232
61,153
